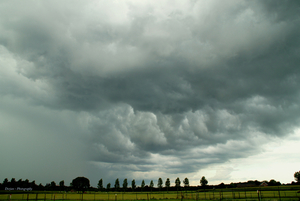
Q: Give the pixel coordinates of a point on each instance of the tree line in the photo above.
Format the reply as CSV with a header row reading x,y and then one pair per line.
x,y
83,184
143,187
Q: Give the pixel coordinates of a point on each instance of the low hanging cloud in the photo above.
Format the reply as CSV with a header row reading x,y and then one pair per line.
x,y
158,86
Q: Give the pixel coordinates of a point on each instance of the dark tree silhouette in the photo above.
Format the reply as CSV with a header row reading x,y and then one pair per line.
x,y
167,184
81,183
203,181
13,183
100,184
26,182
177,183
117,184
53,185
159,183
151,185
5,182
125,184
62,185
20,183
108,186
133,186
297,176
142,185
186,183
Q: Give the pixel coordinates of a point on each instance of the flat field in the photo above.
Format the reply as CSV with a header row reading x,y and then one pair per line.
x,y
250,194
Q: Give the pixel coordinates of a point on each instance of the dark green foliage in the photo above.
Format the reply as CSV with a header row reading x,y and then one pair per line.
x,y
221,185
297,176
151,185
62,185
53,185
167,184
232,185
13,181
177,182
159,183
81,183
125,184
203,181
186,182
108,186
117,184
133,186
100,184
142,185
5,182
272,182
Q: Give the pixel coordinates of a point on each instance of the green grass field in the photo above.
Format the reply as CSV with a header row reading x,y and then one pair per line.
x,y
249,194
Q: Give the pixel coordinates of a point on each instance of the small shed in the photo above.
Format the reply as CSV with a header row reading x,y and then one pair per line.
x,y
263,184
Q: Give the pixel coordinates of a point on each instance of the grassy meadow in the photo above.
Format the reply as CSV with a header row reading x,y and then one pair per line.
x,y
265,193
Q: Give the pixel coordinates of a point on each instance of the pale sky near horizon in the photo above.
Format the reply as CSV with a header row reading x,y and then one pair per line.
x,y
147,89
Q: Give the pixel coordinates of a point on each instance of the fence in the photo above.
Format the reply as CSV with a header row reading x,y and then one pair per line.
x,y
219,194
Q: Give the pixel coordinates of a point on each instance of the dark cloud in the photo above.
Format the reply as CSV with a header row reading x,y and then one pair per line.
x,y
195,84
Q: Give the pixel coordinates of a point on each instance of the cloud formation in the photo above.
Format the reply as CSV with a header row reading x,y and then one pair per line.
x,y
154,86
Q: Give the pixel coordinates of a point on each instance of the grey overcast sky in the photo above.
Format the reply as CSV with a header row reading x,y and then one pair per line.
x,y
147,89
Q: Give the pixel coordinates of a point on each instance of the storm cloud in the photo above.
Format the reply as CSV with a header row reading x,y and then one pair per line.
x,y
137,87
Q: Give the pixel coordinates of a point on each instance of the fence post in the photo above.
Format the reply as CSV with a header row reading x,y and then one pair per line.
x,y
279,194
27,196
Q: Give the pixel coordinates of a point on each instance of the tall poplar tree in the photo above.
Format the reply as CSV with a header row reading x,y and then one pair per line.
x,y
167,184
186,183
151,185
108,186
133,186
125,184
142,185
100,184
117,184
177,183
159,183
